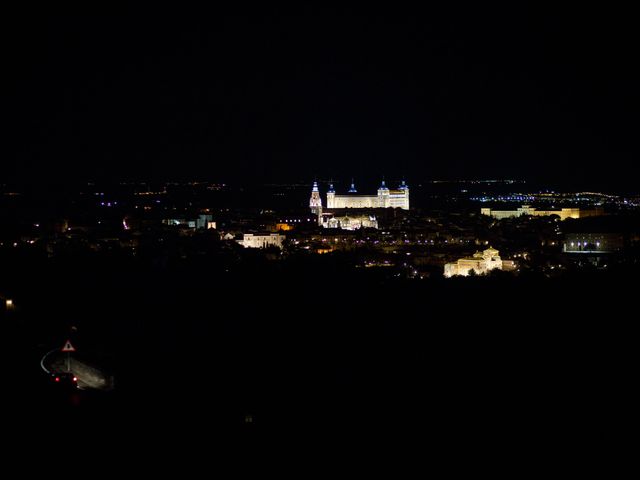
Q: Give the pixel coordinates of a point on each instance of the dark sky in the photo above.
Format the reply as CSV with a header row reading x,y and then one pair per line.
x,y
479,92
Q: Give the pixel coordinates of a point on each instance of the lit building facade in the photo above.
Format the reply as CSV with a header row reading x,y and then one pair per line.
x,y
593,243
202,222
350,222
563,213
385,198
480,263
251,240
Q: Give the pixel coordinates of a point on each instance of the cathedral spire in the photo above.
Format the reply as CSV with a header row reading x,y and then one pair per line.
x,y
353,187
315,202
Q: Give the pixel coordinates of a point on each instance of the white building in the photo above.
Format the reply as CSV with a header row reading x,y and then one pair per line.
x,y
202,222
481,263
353,222
385,198
251,240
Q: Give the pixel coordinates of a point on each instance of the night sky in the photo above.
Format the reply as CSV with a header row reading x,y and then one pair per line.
x,y
483,92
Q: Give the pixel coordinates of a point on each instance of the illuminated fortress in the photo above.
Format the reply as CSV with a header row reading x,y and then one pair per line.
x,y
528,210
384,199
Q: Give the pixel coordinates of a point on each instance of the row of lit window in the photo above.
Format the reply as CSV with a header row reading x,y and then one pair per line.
x,y
584,244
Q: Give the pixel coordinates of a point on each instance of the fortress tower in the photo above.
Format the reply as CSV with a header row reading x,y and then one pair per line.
x,y
331,194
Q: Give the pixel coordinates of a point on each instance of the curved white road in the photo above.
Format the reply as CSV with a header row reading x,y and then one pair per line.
x,y
44,357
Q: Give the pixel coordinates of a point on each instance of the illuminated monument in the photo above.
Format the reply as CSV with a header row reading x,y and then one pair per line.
x,y
480,263
385,198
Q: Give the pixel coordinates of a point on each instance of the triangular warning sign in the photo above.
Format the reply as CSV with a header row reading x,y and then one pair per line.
x,y
68,347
